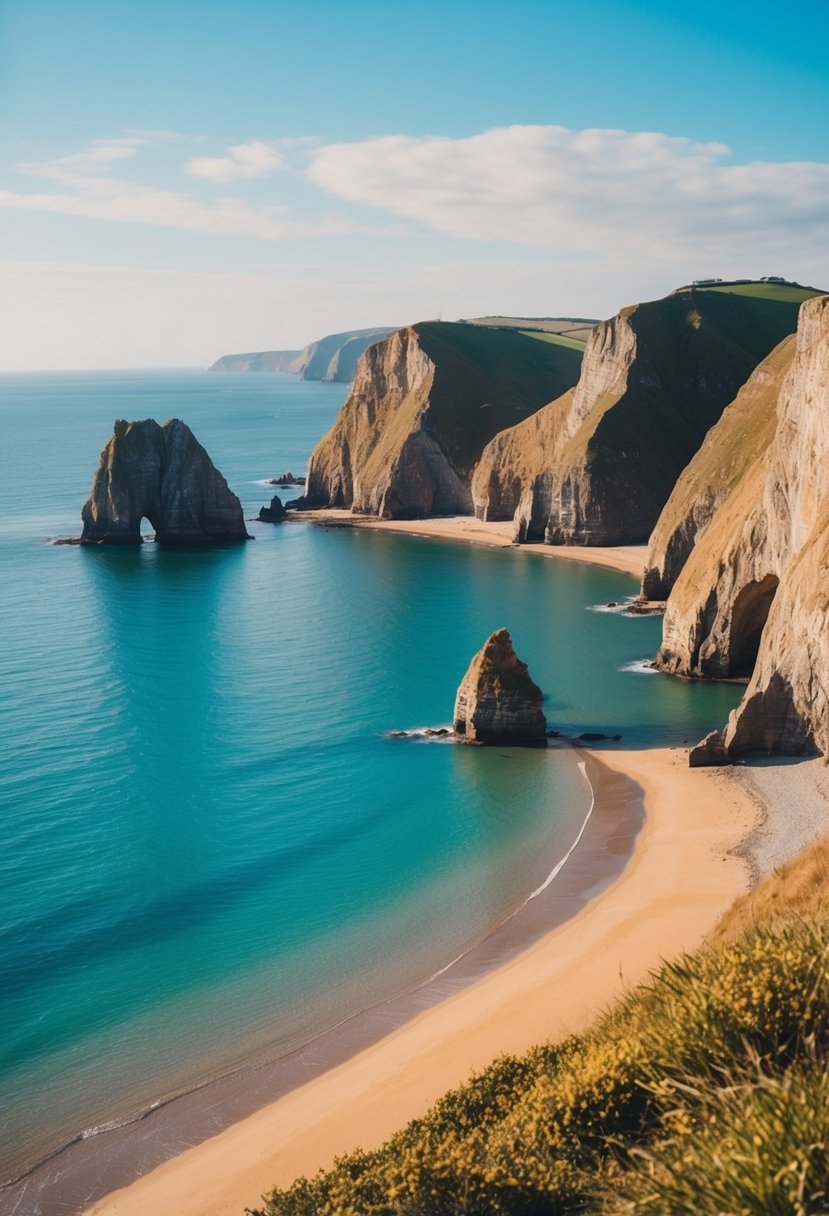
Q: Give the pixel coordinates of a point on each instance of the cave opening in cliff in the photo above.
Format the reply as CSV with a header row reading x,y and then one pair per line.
x,y
748,620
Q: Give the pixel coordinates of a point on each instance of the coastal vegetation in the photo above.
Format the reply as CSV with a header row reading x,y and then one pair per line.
x,y
705,1090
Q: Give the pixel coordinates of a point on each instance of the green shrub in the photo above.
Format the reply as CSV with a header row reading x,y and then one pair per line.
x,y
645,1105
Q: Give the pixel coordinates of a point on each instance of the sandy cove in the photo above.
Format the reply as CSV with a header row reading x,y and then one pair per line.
x,y
685,870
629,559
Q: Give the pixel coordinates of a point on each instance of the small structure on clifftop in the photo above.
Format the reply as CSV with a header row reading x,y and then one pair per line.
x,y
164,475
498,702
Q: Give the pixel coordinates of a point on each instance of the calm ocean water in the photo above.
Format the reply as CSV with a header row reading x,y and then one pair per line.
x,y
210,851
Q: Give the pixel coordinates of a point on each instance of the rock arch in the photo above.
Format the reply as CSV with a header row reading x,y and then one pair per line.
x,y
164,475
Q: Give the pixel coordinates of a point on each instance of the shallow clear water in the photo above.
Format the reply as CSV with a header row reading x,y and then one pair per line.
x,y
210,851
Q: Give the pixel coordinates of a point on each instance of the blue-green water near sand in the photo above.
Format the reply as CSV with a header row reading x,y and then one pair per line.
x,y
209,850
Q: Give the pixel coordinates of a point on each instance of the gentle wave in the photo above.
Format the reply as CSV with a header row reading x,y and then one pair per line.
x,y
556,870
424,734
642,667
619,607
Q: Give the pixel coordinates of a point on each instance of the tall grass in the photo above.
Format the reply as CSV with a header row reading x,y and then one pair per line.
x,y
704,1091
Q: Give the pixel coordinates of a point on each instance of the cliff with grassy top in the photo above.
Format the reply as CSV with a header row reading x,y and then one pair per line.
x,y
751,600
423,405
597,465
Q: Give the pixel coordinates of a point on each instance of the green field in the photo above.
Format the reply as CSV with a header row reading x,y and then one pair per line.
x,y
555,339
791,293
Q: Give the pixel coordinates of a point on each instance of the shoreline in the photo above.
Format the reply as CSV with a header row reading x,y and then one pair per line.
x,y
87,1168
664,896
627,559
683,874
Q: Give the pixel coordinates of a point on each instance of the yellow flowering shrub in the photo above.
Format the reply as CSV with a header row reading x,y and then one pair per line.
x,y
721,1058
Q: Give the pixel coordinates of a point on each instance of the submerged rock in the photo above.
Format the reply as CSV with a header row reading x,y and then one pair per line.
x,y
164,475
275,512
497,701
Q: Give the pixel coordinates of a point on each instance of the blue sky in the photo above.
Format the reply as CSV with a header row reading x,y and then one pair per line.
x,y
180,180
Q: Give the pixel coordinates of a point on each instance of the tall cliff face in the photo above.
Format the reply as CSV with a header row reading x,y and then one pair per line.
x,y
164,475
423,405
334,357
730,448
753,596
597,466
257,361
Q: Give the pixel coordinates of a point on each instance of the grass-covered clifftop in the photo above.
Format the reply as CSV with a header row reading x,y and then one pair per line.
x,y
598,465
424,404
705,1091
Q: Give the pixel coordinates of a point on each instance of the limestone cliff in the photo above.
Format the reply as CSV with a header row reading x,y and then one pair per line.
x,y
164,475
257,361
597,465
752,597
335,356
424,403
497,701
730,448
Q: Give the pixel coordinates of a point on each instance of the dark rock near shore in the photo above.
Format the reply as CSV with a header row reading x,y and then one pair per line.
x,y
164,475
710,752
497,701
275,513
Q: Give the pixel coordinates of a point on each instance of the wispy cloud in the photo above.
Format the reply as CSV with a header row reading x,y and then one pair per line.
x,y
253,159
587,191
88,187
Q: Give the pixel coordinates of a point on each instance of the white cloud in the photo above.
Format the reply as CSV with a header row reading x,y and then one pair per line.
x,y
89,189
253,159
590,191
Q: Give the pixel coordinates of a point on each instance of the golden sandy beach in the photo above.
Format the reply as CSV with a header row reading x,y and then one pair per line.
x,y
681,877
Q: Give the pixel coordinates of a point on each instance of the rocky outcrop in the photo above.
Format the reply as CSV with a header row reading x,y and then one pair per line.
x,y
334,357
497,701
730,448
274,513
257,361
424,404
711,752
753,596
164,475
597,465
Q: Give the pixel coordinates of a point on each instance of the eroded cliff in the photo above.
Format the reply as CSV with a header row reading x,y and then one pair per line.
x,y
753,595
730,448
596,466
423,405
164,475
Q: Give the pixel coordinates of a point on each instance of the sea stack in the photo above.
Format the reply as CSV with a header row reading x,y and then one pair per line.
x,y
275,512
498,702
164,475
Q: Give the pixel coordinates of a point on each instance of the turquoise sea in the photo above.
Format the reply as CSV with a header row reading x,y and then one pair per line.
x,y
210,850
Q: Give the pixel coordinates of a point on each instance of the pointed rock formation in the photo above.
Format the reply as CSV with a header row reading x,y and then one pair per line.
x,y
752,598
424,403
497,701
164,475
274,513
596,466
